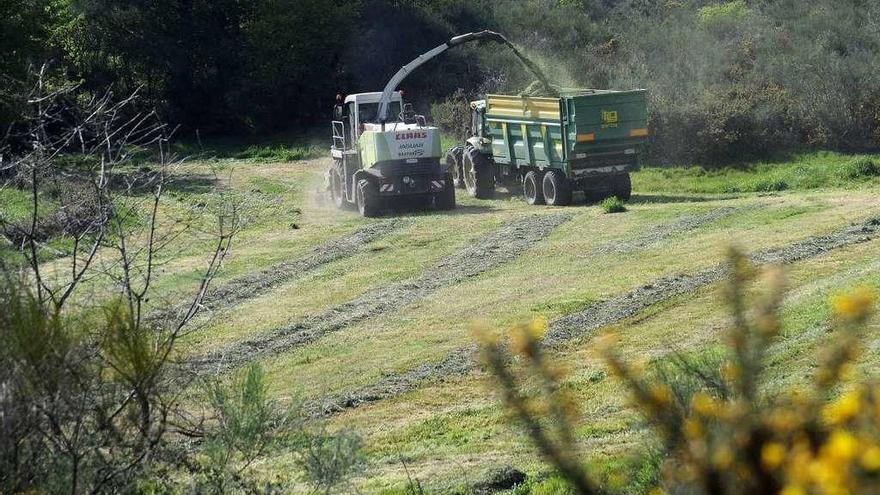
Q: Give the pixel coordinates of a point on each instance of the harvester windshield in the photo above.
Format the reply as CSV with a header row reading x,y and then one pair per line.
x,y
368,112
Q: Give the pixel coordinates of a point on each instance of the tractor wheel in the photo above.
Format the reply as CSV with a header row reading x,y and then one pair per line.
x,y
479,178
367,196
557,191
623,187
453,163
532,189
337,190
445,200
600,188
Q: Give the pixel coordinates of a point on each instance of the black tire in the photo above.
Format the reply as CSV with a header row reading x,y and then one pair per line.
x,y
479,178
453,162
368,200
337,190
557,190
445,200
532,190
600,188
623,187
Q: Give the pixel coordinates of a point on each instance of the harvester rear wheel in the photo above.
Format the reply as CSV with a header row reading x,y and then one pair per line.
x,y
453,163
368,200
623,187
479,178
557,190
532,190
445,200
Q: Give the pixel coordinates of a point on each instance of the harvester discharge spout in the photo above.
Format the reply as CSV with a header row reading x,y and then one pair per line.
x,y
485,35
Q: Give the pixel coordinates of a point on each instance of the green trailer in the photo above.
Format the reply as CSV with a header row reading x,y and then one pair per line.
x,y
586,140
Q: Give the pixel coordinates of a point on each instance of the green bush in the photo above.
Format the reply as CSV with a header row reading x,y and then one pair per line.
x,y
453,115
859,168
279,153
770,185
721,12
613,205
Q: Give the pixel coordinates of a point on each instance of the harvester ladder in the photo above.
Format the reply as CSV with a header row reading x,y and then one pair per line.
x,y
339,135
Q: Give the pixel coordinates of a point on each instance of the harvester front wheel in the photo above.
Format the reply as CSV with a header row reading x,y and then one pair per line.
x,y
623,187
453,163
532,190
557,190
337,189
445,200
367,196
479,178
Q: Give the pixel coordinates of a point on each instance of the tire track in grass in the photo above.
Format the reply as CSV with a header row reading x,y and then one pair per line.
x,y
487,253
257,283
608,312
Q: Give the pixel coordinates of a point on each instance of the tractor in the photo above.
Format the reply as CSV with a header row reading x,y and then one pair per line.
x,y
384,153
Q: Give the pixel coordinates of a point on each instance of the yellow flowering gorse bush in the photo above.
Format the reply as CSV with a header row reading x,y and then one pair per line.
x,y
729,438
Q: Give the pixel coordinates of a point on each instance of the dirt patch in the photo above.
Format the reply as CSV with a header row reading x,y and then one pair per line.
x,y
608,312
483,255
258,283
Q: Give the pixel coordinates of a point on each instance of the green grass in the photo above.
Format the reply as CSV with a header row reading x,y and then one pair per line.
x,y
279,153
448,432
613,205
803,172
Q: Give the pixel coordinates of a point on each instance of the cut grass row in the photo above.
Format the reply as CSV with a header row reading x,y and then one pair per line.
x,y
441,426
551,280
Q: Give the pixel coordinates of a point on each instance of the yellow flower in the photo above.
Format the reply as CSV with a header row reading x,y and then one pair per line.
x,y
704,405
692,428
782,420
722,458
521,341
871,458
538,327
793,490
841,447
772,455
660,395
843,409
855,306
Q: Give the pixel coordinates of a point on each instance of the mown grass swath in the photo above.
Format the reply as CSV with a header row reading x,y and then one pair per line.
x,y
719,431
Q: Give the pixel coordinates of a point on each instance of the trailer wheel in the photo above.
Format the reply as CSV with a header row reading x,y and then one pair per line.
x,y
557,190
479,179
623,187
367,196
453,162
337,190
532,190
445,200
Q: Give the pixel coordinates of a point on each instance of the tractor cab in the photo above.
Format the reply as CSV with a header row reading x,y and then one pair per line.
x,y
355,113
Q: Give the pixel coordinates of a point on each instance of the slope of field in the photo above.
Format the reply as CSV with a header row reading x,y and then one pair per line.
x,y
368,320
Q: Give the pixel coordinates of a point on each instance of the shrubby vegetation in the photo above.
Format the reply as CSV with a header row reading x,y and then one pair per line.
x,y
718,428
728,81
92,399
613,205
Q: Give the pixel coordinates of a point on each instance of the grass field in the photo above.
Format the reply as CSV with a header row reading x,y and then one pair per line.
x,y
447,426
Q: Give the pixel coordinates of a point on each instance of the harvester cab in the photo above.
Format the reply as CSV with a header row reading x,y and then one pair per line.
x,y
383,152
377,162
